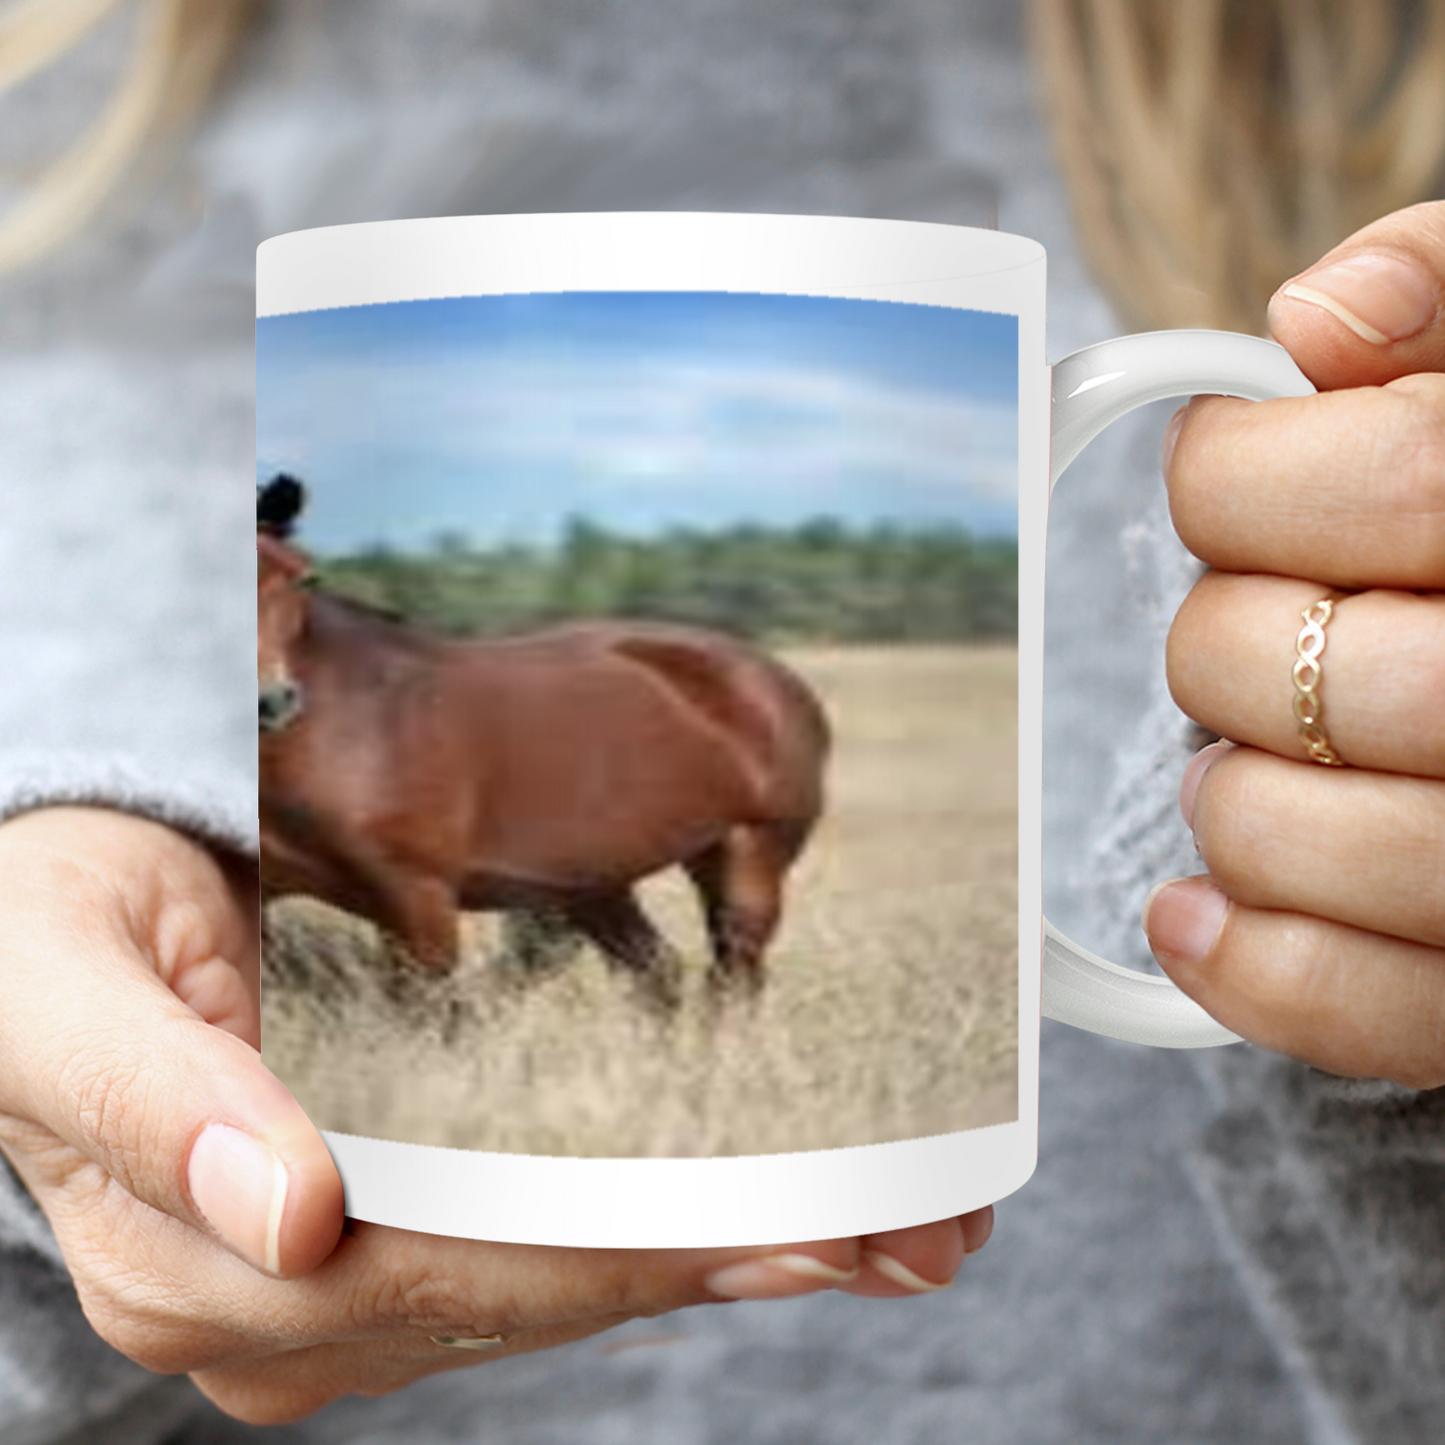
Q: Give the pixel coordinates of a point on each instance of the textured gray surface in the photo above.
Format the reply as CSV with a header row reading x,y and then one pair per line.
x,y
1119,1300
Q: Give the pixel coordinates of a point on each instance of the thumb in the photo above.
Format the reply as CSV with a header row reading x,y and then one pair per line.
x,y
99,1052
1373,309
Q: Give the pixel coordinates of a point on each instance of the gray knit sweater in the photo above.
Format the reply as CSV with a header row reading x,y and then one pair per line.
x,y
1215,1249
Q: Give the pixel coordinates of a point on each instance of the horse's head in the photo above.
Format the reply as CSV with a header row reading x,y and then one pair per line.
x,y
282,574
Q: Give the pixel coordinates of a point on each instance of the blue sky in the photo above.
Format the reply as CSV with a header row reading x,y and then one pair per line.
x,y
500,416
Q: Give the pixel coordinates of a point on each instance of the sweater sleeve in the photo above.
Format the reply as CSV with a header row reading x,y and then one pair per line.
x,y
217,809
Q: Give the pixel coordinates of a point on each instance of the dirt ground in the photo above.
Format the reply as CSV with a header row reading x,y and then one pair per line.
x,y
889,1012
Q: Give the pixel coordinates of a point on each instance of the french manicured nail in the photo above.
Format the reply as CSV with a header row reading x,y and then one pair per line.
x,y
1182,918
1199,764
1380,297
776,1276
240,1186
1171,438
899,1273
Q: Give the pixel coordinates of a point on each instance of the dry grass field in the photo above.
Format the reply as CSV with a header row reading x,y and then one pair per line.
x,y
890,1010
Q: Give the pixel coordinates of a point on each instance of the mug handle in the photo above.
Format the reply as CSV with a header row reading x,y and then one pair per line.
x,y
1092,388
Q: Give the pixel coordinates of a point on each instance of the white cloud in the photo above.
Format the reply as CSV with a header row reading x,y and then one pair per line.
x,y
658,424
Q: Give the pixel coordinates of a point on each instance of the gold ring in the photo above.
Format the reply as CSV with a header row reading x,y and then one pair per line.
x,y
1307,674
474,1342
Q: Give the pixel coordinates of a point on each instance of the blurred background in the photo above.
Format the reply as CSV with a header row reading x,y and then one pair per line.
x,y
1215,1248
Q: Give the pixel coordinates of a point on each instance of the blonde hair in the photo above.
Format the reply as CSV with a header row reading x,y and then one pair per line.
x,y
179,51
1214,148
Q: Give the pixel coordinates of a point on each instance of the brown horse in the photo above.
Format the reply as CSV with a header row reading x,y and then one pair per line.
x,y
406,776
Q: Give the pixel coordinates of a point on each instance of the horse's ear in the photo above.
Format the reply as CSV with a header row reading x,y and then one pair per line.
x,y
278,504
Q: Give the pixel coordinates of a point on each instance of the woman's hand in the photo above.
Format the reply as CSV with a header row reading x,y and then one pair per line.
x,y
197,1208
1320,931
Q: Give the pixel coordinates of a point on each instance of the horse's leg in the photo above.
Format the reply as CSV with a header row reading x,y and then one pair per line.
x,y
419,926
537,942
420,913
616,924
708,871
740,881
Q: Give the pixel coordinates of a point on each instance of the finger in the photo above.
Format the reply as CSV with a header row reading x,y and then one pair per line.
x,y
1374,307
1367,849
920,1260
1345,1000
385,1284
1232,650
977,1229
382,1281
1346,487
243,878
182,1115
390,1284
901,1262
282,1389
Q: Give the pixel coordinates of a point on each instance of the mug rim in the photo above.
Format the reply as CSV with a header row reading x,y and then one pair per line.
x,y
378,262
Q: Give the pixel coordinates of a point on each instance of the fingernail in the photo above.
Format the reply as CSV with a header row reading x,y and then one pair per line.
x,y
1171,437
977,1230
1199,764
1381,298
239,1186
899,1273
1182,918
776,1276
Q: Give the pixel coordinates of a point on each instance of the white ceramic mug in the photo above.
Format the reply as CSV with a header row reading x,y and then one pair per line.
x,y
393,357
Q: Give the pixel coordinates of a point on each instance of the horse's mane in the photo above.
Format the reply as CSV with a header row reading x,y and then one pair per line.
x,y
373,611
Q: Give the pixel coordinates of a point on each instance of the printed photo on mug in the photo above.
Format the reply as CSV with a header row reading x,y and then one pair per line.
x,y
639,720
650,673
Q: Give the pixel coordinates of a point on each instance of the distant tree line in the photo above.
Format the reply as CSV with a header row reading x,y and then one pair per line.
x,y
820,581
